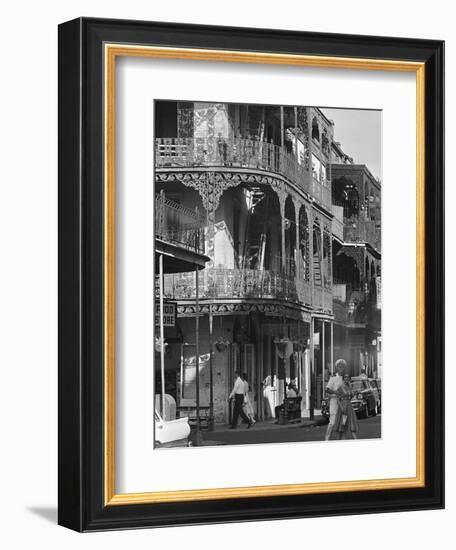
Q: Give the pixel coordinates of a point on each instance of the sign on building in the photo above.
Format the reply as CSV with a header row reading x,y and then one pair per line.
x,y
169,314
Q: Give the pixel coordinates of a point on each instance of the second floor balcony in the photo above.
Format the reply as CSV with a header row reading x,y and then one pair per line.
x,y
240,153
247,284
178,225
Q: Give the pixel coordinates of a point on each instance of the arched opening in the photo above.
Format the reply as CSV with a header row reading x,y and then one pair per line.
x,y
259,229
346,194
346,271
315,129
290,238
325,142
304,244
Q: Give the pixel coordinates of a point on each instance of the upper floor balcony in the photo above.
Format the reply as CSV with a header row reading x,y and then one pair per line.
x,y
356,307
178,225
240,153
245,284
357,230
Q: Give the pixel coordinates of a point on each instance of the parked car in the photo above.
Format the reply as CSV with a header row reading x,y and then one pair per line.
x,y
376,385
171,433
365,400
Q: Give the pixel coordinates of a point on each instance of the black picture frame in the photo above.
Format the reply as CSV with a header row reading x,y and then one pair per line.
x,y
81,383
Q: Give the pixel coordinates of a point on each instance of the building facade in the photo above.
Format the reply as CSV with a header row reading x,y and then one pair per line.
x,y
261,179
356,197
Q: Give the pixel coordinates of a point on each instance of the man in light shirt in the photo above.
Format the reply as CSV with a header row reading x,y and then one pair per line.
x,y
238,395
334,384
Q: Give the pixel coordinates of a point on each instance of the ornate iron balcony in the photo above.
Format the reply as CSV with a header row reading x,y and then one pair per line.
x,y
239,153
244,284
178,225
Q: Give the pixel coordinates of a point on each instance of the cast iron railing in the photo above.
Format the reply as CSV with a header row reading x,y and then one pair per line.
x,y
239,153
223,283
178,225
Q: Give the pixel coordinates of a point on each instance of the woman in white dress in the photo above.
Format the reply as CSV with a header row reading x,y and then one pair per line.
x,y
248,409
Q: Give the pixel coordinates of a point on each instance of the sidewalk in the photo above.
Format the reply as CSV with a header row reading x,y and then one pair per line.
x,y
265,432
271,425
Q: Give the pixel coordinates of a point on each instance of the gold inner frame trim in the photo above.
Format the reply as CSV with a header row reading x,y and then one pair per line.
x,y
111,52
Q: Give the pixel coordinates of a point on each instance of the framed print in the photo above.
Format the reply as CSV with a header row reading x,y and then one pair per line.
x,y
250,274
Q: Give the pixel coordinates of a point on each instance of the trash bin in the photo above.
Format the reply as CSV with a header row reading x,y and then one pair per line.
x,y
283,418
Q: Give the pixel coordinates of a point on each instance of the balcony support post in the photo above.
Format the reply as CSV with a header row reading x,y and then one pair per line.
x,y
162,338
331,324
312,381
296,132
282,127
282,198
322,253
297,251
211,377
197,440
323,357
311,254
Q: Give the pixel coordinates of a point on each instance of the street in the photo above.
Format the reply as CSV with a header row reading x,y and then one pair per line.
x,y
369,428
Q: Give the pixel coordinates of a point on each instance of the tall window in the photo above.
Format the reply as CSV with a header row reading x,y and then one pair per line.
x,y
323,174
315,129
304,244
316,168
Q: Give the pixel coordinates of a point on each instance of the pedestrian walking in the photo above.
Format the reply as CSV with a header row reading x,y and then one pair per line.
x,y
238,393
334,384
248,409
345,422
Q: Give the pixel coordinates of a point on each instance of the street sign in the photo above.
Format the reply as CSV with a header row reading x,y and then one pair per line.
x,y
169,314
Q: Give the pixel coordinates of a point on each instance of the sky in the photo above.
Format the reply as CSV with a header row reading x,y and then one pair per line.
x,y
360,134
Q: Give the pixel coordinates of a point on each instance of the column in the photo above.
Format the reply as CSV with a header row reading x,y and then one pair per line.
x,y
297,251
311,275
197,436
323,357
322,275
311,381
282,129
331,324
282,198
162,339
296,131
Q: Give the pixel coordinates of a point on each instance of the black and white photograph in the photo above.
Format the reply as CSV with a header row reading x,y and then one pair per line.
x,y
268,293
224,275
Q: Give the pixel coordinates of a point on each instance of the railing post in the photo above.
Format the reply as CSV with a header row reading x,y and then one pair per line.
x,y
282,219
162,219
